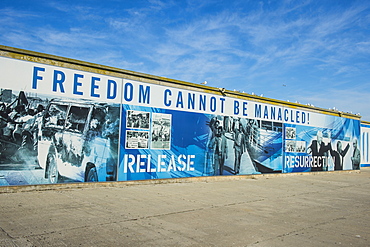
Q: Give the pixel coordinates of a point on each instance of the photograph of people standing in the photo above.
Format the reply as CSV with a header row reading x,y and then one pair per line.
x,y
319,149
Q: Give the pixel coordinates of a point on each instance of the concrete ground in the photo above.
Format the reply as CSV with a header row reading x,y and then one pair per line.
x,y
311,209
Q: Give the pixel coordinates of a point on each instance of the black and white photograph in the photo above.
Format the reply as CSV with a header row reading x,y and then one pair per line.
x,y
290,133
138,120
137,139
290,146
161,131
53,140
300,147
20,122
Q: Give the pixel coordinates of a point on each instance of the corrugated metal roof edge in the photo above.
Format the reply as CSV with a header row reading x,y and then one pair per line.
x,y
200,87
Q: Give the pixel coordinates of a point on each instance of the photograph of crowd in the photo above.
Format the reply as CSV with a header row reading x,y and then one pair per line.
x,y
138,119
20,121
241,146
290,146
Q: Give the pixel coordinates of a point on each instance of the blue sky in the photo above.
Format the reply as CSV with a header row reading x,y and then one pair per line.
x,y
315,52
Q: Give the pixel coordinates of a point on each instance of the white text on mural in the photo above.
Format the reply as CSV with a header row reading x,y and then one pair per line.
x,y
305,161
144,163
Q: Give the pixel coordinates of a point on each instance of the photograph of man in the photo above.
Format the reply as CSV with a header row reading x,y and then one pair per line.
x,y
220,151
356,157
238,146
338,155
319,149
212,161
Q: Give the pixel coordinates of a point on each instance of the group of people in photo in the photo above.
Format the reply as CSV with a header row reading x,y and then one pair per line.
x,y
19,128
319,148
224,131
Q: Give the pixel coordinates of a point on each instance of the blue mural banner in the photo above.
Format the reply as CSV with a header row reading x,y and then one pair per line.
x,y
61,125
334,146
162,143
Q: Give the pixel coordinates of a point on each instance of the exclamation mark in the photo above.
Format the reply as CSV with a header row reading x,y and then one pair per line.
x,y
308,118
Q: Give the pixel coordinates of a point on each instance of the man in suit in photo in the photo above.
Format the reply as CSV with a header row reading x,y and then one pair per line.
x,y
319,149
356,157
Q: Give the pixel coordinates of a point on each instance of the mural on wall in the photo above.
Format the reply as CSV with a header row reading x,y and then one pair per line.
x,y
333,147
62,125
243,146
45,140
186,144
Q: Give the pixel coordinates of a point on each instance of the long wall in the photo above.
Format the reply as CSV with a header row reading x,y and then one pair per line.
x,y
65,120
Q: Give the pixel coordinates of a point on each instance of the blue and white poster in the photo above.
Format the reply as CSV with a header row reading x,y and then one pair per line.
x,y
62,125
160,143
334,146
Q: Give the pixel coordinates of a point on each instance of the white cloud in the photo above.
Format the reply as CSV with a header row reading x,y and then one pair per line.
x,y
352,101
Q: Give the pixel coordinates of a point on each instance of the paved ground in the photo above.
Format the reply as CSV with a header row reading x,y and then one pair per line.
x,y
318,209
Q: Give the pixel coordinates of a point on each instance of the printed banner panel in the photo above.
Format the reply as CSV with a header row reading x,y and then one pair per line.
x,y
334,147
57,124
57,140
61,125
163,143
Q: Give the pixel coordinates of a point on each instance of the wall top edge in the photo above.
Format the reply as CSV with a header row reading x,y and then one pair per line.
x,y
12,52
